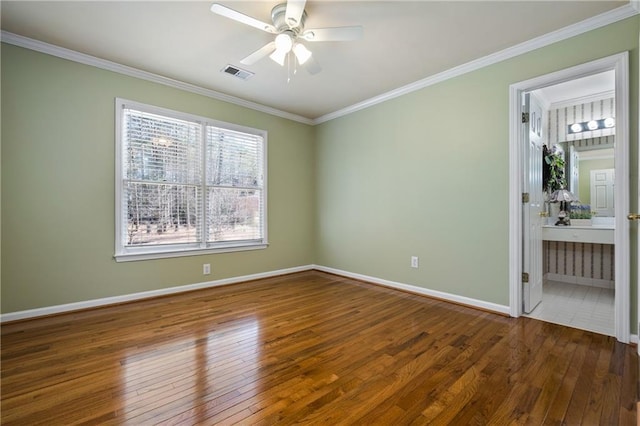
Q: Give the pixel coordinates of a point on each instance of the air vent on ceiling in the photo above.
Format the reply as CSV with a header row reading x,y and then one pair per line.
x,y
235,71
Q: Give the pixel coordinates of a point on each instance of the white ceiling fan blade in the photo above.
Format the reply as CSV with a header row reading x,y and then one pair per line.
x,y
241,17
293,15
264,51
312,66
333,34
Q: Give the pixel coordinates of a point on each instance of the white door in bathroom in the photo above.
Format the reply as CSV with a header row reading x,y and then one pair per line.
x,y
532,209
602,192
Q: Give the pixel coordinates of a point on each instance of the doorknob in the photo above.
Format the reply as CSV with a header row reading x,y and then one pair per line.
x,y
545,214
633,216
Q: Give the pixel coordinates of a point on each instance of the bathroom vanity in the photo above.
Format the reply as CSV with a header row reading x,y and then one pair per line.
x,y
580,254
602,234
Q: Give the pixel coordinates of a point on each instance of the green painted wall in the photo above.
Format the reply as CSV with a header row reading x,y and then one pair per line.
x,y
424,174
584,180
58,186
427,174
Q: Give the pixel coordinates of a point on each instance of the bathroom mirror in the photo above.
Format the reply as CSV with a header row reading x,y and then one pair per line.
x,y
590,172
582,124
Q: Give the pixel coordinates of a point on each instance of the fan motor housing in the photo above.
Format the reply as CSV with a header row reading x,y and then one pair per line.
x,y
280,21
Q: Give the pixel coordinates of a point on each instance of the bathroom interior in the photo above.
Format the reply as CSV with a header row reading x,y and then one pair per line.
x,y
578,259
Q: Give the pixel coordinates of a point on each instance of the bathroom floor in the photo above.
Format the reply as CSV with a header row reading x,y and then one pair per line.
x,y
578,306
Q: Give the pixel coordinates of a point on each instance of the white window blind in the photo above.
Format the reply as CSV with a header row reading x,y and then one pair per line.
x,y
234,185
186,183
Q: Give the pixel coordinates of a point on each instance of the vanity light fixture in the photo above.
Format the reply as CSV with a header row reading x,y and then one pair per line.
x,y
591,125
575,128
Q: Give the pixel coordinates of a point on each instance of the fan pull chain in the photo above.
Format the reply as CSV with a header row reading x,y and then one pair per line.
x,y
288,67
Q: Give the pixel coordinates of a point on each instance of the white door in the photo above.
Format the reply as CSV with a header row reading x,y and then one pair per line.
x,y
602,190
532,210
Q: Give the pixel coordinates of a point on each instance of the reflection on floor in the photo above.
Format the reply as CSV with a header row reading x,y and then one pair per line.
x,y
578,306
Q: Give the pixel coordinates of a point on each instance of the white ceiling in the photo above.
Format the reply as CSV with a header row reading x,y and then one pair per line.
x,y
598,84
403,41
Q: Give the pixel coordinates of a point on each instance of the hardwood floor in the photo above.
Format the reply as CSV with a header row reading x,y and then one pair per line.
x,y
310,348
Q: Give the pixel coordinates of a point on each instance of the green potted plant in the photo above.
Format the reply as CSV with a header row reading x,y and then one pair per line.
x,y
580,215
553,170
552,177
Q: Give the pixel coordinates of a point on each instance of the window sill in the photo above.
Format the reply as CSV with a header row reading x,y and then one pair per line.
x,y
151,255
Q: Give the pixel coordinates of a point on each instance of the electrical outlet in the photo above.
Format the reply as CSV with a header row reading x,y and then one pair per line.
x,y
206,269
414,261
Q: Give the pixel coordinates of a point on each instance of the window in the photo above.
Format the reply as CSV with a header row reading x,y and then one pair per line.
x,y
186,185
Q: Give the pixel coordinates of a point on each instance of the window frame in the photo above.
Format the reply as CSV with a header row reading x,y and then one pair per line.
x,y
125,253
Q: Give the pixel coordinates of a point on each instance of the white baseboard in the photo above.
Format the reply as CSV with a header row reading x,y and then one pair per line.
x,y
462,300
76,306
572,279
68,307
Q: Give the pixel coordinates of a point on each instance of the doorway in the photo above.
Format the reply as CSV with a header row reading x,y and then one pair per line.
x,y
577,273
563,261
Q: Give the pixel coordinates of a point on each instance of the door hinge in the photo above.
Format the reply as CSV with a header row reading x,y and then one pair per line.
x,y
525,197
525,277
525,117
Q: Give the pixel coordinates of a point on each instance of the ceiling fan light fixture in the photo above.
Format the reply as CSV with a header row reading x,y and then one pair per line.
x,y
302,53
278,56
289,18
284,42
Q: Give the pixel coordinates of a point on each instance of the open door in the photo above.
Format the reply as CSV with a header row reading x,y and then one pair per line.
x,y
533,204
522,216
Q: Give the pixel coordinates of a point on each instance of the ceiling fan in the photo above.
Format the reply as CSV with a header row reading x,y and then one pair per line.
x,y
288,26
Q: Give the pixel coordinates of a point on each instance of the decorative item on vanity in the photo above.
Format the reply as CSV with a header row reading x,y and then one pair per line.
x,y
580,214
564,197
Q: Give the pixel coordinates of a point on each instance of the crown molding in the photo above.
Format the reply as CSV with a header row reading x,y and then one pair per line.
x,y
610,17
72,55
583,99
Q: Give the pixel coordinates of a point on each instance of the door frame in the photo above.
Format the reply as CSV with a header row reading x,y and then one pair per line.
x,y
620,63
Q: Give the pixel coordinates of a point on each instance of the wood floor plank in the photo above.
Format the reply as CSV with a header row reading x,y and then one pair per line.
x,y
560,403
309,348
423,391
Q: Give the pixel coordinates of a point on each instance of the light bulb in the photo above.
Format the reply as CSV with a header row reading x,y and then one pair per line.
x,y
302,53
609,122
576,128
284,42
592,125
